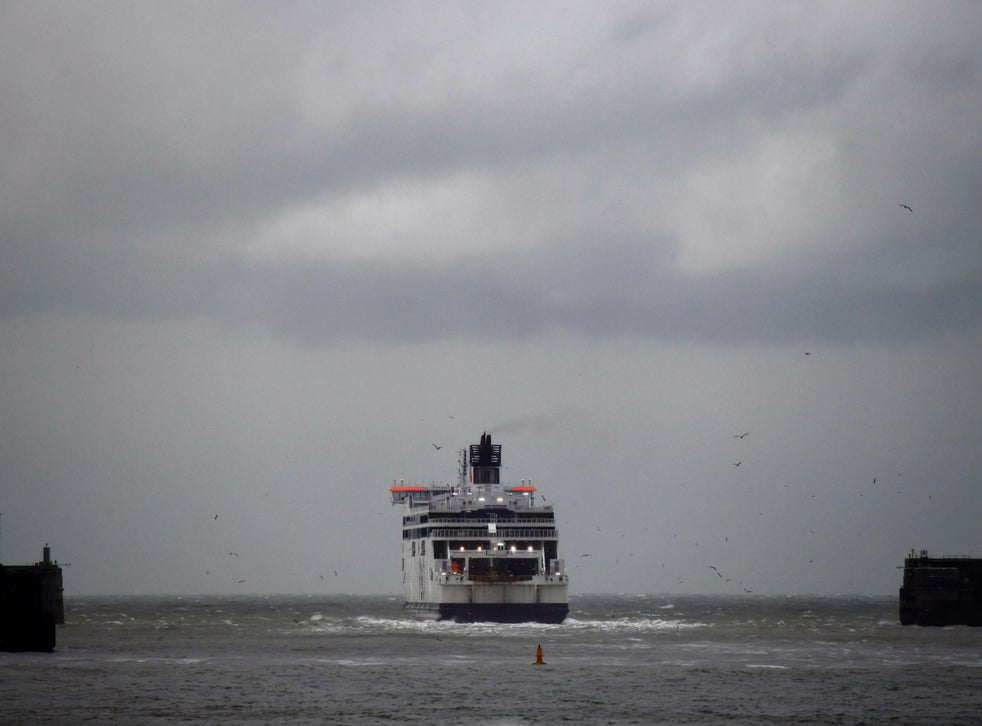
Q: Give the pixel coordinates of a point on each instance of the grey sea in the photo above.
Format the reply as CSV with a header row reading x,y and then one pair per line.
x,y
616,659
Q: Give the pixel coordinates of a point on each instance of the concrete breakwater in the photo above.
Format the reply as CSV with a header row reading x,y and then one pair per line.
x,y
941,590
31,605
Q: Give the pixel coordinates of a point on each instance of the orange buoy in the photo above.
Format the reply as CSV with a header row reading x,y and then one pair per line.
x,y
538,656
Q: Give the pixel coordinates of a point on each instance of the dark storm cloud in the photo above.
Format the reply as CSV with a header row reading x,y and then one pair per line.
x,y
625,290
142,146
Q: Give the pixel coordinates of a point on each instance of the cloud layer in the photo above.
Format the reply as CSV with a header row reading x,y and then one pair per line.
x,y
333,173
256,259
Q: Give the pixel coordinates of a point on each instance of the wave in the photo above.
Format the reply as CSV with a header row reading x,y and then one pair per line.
x,y
570,625
633,624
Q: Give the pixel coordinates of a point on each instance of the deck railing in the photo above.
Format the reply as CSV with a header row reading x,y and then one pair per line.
x,y
501,533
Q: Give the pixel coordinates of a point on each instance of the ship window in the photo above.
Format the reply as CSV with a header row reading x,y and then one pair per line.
x,y
479,566
414,548
422,548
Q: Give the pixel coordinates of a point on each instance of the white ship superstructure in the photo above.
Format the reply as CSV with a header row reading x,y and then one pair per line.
x,y
481,550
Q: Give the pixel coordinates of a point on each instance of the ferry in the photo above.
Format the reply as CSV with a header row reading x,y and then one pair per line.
x,y
481,551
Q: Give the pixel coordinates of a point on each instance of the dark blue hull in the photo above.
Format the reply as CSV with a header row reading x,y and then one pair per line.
x,y
553,613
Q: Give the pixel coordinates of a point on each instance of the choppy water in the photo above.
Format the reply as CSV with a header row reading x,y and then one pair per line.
x,y
624,659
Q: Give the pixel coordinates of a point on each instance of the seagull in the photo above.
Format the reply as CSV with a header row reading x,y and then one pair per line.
x,y
907,207
216,516
241,580
740,436
738,463
234,553
713,568
437,447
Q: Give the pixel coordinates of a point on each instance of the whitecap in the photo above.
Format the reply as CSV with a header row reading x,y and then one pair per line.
x,y
631,624
767,665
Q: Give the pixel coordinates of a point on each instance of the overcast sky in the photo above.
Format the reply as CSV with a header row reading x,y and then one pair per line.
x,y
256,258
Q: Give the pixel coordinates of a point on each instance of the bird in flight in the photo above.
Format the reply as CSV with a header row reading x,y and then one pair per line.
x,y
740,436
216,516
738,463
437,447
907,207
713,568
234,553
